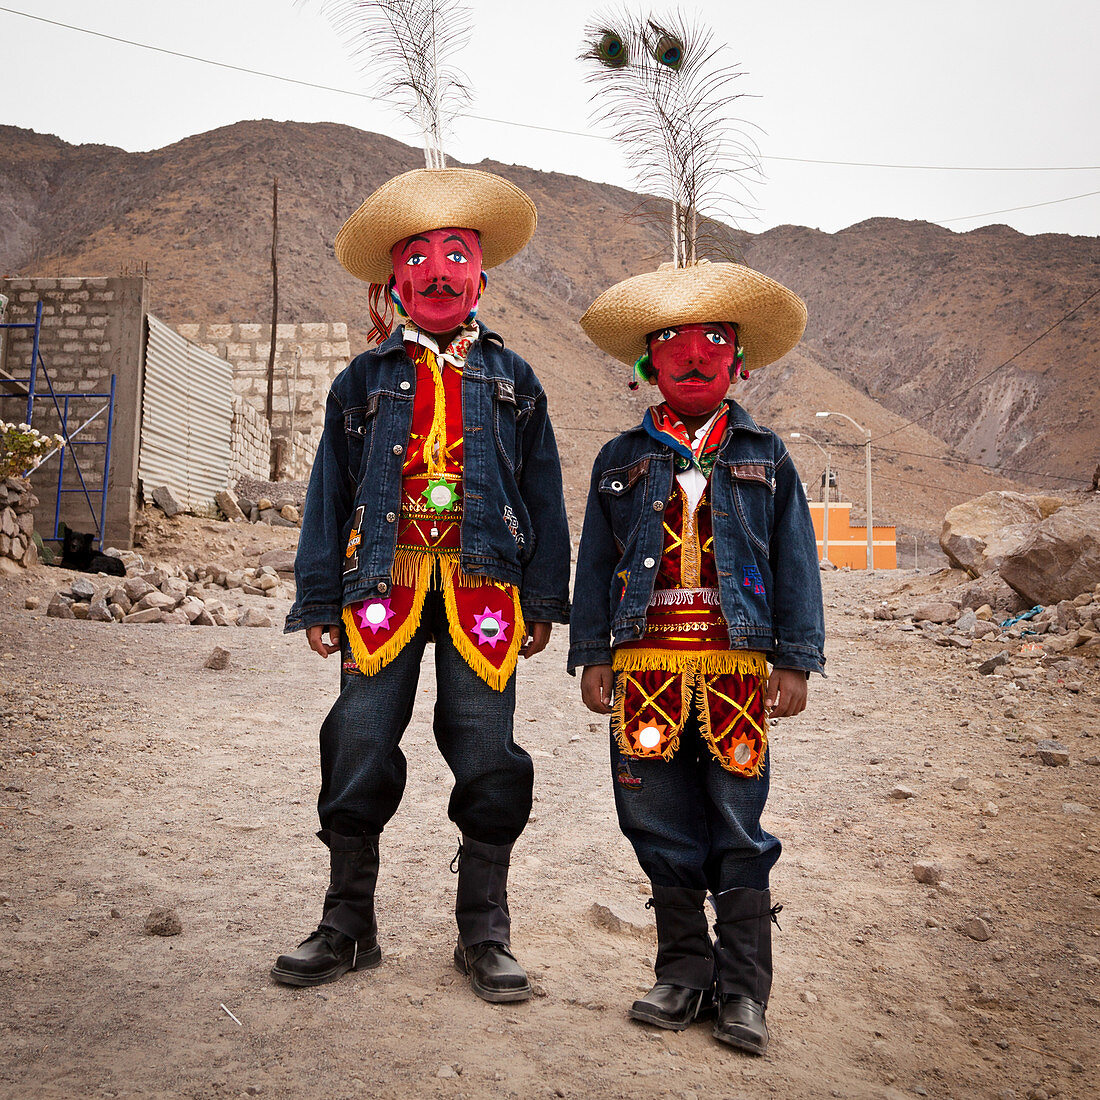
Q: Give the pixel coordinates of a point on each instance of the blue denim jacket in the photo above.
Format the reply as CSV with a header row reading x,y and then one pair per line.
x,y
513,521
764,545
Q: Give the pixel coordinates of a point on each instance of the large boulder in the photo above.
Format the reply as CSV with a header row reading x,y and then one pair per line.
x,y
1061,557
978,535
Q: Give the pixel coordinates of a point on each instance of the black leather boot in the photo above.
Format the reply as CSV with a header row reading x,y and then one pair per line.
x,y
744,957
347,938
483,952
684,964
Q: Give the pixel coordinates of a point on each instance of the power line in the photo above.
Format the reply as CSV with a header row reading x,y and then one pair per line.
x,y
989,374
558,130
1010,209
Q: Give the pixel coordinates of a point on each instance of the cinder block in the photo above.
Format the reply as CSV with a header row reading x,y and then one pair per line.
x,y
251,331
219,332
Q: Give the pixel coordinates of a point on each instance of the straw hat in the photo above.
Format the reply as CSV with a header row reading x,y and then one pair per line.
x,y
770,318
433,198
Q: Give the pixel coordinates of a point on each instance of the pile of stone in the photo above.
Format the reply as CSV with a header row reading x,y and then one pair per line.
x,y
278,504
204,595
17,504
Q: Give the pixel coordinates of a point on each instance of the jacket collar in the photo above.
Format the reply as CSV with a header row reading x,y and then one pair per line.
x,y
739,420
394,342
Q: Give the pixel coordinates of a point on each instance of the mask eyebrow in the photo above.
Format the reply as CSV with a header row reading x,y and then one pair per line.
x,y
410,241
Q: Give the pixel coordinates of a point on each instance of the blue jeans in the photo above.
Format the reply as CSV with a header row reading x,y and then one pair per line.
x,y
692,823
363,769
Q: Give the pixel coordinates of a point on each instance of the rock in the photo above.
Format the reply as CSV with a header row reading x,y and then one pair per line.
x,y
983,628
228,503
246,504
977,929
149,615
289,512
960,783
136,587
60,607
1053,753
217,660
80,610
985,612
989,809
937,611
204,618
994,662
978,535
901,792
253,617
965,622
118,613
155,599
808,997
927,872
99,612
1075,808
272,517
31,603
163,922
282,561
82,588
176,616
1061,557
825,565
445,1071
602,916
163,499
264,503
268,582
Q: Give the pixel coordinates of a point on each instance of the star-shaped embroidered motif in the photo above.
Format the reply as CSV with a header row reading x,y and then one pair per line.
x,y
375,614
440,495
490,627
649,736
743,752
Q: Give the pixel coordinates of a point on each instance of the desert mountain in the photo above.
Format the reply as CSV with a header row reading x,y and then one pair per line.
x,y
903,315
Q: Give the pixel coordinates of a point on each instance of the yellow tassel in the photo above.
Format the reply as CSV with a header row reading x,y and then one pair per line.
x,y
496,678
370,663
710,662
435,442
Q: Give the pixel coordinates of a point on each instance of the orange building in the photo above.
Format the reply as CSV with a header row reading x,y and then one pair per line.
x,y
848,544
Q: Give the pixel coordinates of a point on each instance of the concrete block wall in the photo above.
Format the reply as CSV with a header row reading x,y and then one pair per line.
x,y
91,328
308,355
250,443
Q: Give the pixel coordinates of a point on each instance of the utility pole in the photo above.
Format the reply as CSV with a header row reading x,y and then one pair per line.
x,y
870,519
274,303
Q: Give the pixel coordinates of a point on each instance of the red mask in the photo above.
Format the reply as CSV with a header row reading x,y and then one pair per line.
x,y
438,277
694,365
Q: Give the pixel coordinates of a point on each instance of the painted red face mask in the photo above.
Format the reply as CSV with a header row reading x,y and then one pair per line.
x,y
438,277
694,365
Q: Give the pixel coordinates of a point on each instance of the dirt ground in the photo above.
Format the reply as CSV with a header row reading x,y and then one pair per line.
x,y
132,779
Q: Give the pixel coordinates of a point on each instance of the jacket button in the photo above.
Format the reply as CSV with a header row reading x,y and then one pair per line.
x,y
383,587
398,449
391,516
405,385
658,506
649,563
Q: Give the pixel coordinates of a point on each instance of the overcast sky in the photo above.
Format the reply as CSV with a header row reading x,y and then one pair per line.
x,y
958,83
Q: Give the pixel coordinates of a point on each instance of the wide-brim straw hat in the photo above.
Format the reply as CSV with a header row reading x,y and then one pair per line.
x,y
435,198
770,318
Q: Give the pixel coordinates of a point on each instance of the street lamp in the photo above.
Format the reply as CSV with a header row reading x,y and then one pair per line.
x,y
870,521
825,522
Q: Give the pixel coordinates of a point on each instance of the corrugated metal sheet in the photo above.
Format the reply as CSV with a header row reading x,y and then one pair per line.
x,y
186,418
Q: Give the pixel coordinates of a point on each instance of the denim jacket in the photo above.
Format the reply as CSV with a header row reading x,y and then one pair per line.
x,y
513,520
764,545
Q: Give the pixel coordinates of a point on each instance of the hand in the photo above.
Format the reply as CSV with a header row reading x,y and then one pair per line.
x,y
597,684
538,636
786,694
313,636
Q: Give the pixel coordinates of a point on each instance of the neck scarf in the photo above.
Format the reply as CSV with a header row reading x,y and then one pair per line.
x,y
662,424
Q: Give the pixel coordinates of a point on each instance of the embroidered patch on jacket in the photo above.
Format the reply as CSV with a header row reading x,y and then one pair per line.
x,y
626,778
753,580
355,537
513,524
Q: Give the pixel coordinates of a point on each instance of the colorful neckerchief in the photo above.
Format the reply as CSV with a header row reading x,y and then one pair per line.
x,y
664,425
455,352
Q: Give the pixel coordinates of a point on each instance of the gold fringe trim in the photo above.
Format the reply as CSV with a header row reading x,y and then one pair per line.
x,y
435,442
707,728
370,663
710,662
496,678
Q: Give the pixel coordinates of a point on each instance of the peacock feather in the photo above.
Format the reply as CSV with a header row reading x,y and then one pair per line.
x,y
661,87
406,49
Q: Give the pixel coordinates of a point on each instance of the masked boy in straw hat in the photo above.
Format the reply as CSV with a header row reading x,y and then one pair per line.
x,y
697,614
434,511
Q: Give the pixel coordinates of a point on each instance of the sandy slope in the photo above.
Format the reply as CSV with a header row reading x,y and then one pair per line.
x,y
132,778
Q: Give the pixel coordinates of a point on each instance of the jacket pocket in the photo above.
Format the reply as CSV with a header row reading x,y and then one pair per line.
x,y
753,486
623,494
359,425
510,413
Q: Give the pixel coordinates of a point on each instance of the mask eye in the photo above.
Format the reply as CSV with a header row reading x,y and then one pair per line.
x,y
456,257
665,334
716,337
415,260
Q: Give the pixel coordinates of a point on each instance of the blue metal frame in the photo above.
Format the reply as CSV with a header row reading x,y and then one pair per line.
x,y
62,411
